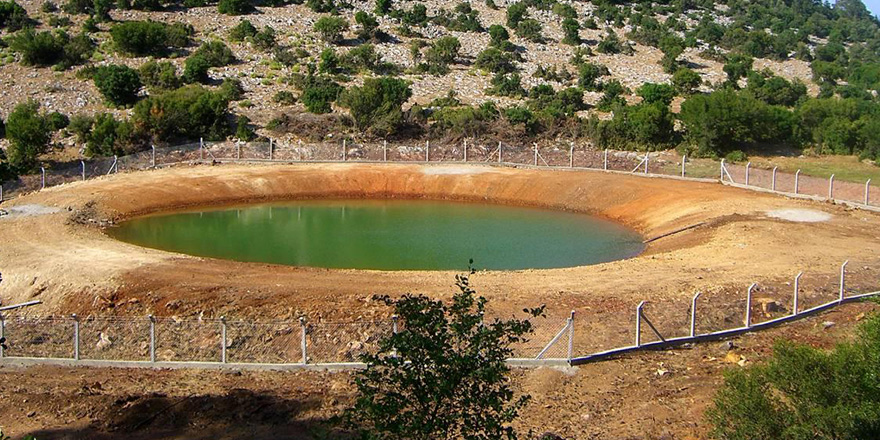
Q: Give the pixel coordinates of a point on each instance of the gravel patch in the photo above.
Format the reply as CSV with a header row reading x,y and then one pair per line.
x,y
800,215
438,171
27,211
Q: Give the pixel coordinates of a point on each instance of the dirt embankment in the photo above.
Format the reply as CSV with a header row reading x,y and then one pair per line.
x,y
66,261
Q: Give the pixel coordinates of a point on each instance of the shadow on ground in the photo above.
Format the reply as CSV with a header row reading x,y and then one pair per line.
x,y
235,415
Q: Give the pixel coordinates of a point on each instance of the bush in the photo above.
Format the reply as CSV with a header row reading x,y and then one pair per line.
x,y
108,137
463,19
446,359
81,126
118,84
611,45
189,112
659,93
417,16
195,70
498,35
265,39
143,38
612,95
571,29
243,130
318,94
38,48
516,13
737,66
284,97
243,30
231,89
215,53
589,74
686,81
376,106
57,121
804,392
507,85
12,16
369,26
331,28
159,76
775,90
495,61
383,7
530,29
28,132
235,7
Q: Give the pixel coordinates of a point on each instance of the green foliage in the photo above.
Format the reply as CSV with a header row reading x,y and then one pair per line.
x,y
28,132
645,126
737,66
118,84
775,90
330,28
440,55
443,375
726,119
686,81
235,7
556,105
571,29
102,9
243,30
376,106
464,120
611,45
531,30
159,76
231,89
417,16
51,48
672,48
369,27
81,126
553,73
840,126
107,136
195,70
564,10
804,393
12,16
265,39
498,35
613,91
516,13
243,129
463,19
284,97
215,53
495,61
318,93
321,6
384,7
142,38
189,112
589,74
509,85
660,93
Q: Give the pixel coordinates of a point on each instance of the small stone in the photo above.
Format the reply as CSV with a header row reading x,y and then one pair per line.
x,y
827,324
32,413
727,346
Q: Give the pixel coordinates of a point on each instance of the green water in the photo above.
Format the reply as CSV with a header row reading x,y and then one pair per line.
x,y
387,235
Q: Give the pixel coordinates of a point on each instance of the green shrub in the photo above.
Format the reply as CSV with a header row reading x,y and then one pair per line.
x,y
57,121
383,7
369,27
737,66
571,29
243,130
159,76
530,29
81,126
331,28
612,95
417,16
611,45
516,13
142,38
495,61
243,30
466,120
189,112
118,84
265,39
660,93
686,81
507,85
28,132
215,53
522,116
463,19
498,35
12,16
284,97
235,7
376,106
589,74
320,6
108,136
803,392
231,89
195,70
38,48
775,90
319,93
440,54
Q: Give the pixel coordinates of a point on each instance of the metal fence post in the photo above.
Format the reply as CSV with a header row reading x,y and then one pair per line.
x,y
394,331
571,157
722,169
153,156
302,325
773,187
797,177
867,191
385,151
843,280
223,339
75,337
152,337
694,314
43,181
272,149
605,160
831,187
535,144
571,336
465,150
500,152
344,152
748,170
238,151
639,324
683,162
797,288
427,151
83,165
201,149
2,332
748,320
647,158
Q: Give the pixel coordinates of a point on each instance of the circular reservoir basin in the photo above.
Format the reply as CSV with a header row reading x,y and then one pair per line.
x,y
387,235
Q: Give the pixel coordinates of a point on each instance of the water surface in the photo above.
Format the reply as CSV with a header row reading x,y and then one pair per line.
x,y
387,235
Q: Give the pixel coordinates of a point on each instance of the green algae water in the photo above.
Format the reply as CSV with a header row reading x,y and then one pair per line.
x,y
387,235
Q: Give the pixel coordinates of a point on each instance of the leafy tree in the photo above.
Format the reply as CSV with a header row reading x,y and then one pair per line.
x,y
369,26
516,13
686,81
318,94
589,74
196,69
417,16
189,112
331,28
118,84
159,75
498,35
243,129
495,61
235,7
377,104
507,85
444,375
737,66
28,133
659,93
612,95
383,7
440,54
243,30
38,48
215,53
672,48
530,29
108,137
142,38
571,29
803,392
12,16
265,39
775,90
